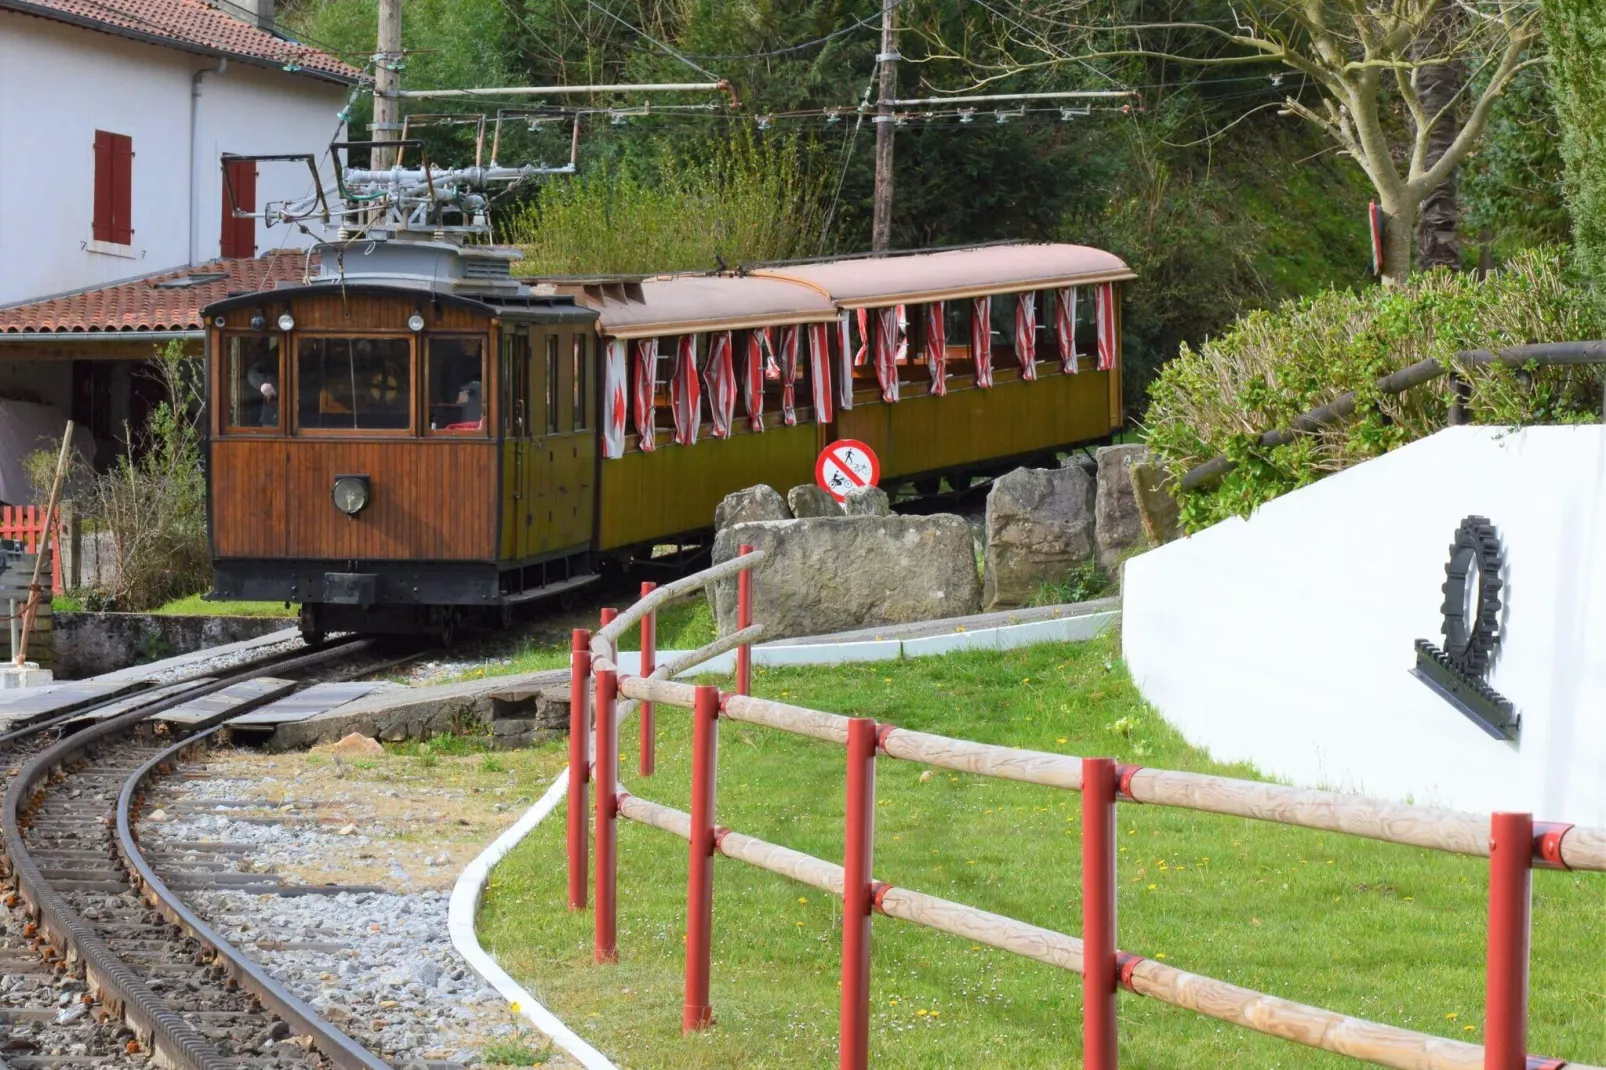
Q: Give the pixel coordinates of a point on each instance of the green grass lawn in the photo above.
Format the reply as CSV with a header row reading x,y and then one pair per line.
x,y
1389,933
194,606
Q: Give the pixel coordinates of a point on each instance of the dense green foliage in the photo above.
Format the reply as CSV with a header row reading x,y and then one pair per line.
x,y
1576,30
1272,366
1191,211
747,203
1511,187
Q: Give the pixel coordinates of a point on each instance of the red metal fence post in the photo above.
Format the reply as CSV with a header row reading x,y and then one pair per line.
x,y
1098,914
607,761
1505,1019
744,617
649,655
579,763
857,848
698,1014
608,615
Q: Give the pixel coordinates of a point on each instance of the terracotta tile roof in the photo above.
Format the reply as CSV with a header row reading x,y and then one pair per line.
x,y
147,305
189,24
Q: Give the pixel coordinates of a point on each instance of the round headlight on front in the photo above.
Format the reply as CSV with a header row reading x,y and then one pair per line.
x,y
415,323
351,494
287,322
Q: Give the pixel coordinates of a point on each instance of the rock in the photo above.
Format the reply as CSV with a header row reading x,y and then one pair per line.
x,y
156,815
830,574
1080,459
759,502
866,501
807,501
427,973
1039,527
1160,512
354,745
1117,523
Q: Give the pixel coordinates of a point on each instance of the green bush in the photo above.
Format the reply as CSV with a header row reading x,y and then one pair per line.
x,y
1576,32
1271,366
748,202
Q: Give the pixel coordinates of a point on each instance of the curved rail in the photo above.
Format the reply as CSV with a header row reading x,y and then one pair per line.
x,y
334,1044
1398,382
171,1039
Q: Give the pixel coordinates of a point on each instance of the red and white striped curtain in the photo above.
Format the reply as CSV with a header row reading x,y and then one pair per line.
x,y
788,354
1106,311
646,353
685,395
889,344
936,347
981,339
1065,328
863,352
720,376
820,370
615,394
844,386
753,380
1026,334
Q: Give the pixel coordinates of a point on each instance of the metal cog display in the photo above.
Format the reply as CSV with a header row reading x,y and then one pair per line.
x,y
1472,602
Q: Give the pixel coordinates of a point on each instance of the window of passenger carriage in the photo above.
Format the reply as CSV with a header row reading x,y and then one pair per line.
x,y
582,360
552,395
455,373
251,378
354,384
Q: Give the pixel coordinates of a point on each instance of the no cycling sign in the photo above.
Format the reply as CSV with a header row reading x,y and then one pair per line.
x,y
845,464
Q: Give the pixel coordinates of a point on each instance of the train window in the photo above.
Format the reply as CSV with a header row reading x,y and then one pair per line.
x,y
354,384
251,384
551,384
456,375
582,357
956,322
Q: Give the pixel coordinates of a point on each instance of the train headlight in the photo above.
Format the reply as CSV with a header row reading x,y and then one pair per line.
x,y
287,322
351,494
415,323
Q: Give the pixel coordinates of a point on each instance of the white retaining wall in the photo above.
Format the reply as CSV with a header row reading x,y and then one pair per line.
x,y
1286,639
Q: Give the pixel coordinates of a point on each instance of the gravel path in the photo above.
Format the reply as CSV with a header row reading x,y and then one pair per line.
x,y
381,965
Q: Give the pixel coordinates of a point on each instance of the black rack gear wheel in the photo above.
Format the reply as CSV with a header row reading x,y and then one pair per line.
x,y
1472,597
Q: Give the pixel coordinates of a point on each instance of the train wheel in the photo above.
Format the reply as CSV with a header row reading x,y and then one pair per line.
x,y
446,628
312,632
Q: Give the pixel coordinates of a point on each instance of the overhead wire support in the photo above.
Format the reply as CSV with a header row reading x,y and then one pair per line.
x,y
1070,94
721,86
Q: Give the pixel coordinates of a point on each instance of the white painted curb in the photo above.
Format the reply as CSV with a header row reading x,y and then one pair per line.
x,y
465,903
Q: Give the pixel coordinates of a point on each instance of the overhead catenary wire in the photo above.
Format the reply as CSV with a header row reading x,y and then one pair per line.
x,y
642,33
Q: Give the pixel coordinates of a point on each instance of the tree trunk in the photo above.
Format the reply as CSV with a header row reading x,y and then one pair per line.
x,y
1399,238
1437,242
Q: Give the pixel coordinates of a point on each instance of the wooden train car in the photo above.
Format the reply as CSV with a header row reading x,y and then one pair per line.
x,y
414,437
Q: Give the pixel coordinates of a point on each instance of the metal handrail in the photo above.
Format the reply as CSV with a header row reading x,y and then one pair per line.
x,y
1423,371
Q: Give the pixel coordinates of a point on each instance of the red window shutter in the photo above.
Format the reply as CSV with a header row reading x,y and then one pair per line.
x,y
103,186
122,188
238,237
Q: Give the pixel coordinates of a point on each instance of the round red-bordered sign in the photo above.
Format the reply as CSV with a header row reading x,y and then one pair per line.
x,y
845,464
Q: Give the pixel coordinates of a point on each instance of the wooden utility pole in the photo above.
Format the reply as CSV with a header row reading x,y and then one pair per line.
x,y
387,106
881,228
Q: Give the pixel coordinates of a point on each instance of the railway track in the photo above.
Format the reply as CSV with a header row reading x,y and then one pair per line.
x,y
101,965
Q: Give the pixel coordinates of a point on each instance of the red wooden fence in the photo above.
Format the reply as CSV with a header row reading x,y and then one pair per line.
x,y
1514,843
26,524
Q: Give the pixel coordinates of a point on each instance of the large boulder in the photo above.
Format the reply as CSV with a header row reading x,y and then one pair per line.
x,y
866,501
1118,523
760,502
1162,516
833,574
1039,527
806,501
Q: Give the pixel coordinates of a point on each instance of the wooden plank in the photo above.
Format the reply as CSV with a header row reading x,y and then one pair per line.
x,y
319,698
25,705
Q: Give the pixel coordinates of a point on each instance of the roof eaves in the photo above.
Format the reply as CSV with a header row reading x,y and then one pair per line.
x,y
42,11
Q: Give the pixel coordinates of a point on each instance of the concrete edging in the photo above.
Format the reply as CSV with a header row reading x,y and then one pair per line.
x,y
465,900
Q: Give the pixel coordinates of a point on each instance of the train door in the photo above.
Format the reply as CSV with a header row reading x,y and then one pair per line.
x,y
572,441
512,375
535,537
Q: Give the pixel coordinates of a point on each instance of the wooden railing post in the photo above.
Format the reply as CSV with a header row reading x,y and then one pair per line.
x,y
1505,1019
649,654
698,1014
579,763
857,897
744,618
607,765
1098,914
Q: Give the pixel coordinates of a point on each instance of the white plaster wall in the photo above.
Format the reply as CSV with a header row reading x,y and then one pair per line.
x,y
59,84
1286,639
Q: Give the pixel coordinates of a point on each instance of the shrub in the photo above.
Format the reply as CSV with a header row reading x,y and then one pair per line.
x,y
1274,365
153,508
749,202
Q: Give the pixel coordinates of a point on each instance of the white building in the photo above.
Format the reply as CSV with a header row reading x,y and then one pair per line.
x,y
114,118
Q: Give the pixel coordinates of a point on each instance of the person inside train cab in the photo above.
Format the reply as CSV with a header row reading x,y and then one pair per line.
x,y
471,409
262,384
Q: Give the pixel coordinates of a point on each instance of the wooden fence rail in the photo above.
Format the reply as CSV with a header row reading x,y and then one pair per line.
x,y
1514,843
